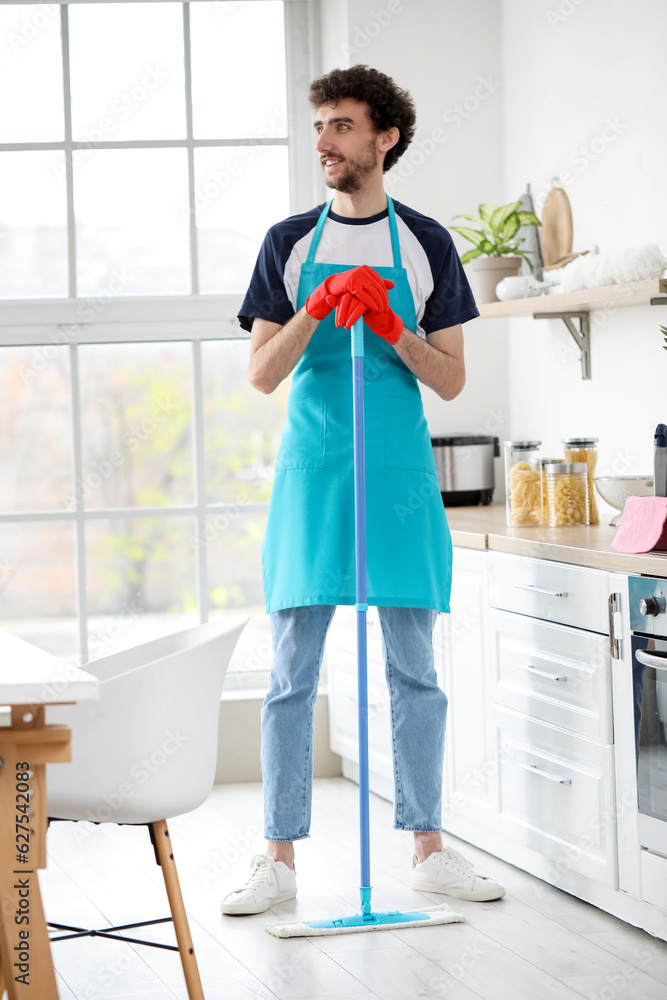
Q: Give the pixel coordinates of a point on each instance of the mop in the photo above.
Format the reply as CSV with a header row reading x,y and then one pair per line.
x,y
367,920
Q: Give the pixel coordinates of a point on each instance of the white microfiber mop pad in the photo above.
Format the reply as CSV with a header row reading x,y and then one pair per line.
x,y
443,914
614,267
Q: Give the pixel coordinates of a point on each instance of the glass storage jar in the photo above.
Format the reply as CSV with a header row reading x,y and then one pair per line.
x,y
567,494
523,482
543,464
581,449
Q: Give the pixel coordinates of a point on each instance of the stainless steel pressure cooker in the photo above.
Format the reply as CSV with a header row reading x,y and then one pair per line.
x,y
464,463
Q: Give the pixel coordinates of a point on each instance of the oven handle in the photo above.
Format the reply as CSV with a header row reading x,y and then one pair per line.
x,y
657,660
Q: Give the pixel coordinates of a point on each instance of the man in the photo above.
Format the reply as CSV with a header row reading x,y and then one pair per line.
x,y
365,255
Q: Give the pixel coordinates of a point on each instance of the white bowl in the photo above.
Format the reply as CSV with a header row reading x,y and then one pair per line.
x,y
615,490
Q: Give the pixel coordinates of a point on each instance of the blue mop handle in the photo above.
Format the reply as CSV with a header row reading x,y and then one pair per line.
x,y
361,605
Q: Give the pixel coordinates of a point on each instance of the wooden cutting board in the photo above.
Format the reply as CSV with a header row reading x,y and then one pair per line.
x,y
556,229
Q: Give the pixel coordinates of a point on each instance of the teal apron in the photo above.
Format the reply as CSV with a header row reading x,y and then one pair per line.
x,y
308,551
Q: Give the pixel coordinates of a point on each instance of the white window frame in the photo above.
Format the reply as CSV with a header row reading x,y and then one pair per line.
x,y
73,321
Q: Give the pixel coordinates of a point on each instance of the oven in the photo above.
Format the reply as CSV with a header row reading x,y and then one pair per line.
x,y
648,624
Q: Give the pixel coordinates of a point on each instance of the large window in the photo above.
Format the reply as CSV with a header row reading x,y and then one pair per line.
x,y
147,148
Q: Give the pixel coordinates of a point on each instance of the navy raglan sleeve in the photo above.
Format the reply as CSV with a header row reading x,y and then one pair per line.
x,y
451,301
266,297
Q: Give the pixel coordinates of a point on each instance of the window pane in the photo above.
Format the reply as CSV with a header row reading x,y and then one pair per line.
x,y
234,559
240,191
141,580
33,225
241,427
136,425
37,585
238,70
127,71
31,82
36,439
132,231
235,581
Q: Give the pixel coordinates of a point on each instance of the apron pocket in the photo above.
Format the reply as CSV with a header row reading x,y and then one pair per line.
x,y
407,443
302,445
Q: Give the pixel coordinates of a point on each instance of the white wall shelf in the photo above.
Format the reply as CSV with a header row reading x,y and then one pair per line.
x,y
633,293
570,306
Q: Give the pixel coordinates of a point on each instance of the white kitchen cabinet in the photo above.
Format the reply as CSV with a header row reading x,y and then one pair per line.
x,y
551,693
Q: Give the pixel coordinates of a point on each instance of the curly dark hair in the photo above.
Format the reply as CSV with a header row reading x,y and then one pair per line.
x,y
388,105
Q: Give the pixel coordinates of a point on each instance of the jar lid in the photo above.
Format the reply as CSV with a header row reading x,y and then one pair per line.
x,y
524,445
579,442
551,461
559,467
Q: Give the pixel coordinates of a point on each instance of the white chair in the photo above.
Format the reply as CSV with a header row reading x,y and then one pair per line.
x,y
146,751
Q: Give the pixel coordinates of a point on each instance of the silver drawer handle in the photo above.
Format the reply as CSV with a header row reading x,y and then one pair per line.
x,y
652,659
541,673
540,590
534,769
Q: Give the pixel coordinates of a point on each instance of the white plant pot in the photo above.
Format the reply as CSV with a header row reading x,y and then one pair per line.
x,y
484,273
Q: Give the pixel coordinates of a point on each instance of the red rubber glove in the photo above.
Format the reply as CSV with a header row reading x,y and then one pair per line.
x,y
349,308
368,287
386,324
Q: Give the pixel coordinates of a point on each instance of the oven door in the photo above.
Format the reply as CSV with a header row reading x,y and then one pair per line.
x,y
650,705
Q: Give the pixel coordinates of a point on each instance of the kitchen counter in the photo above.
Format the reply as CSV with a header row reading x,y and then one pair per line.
x,y
484,527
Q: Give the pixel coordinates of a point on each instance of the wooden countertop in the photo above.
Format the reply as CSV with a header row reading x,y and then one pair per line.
x,y
485,527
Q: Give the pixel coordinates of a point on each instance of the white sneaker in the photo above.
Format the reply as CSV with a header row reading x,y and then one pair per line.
x,y
448,871
270,882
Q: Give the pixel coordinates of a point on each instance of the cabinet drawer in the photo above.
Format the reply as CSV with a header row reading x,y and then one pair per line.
x,y
556,796
552,672
557,592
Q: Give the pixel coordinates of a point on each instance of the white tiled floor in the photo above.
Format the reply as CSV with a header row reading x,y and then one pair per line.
x,y
535,944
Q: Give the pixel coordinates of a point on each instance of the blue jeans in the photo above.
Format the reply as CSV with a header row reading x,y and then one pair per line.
x,y
418,714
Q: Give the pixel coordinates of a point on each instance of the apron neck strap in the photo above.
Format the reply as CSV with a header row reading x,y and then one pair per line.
x,y
314,243
393,229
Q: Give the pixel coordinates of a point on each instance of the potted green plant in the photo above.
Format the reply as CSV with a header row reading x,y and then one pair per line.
x,y
496,254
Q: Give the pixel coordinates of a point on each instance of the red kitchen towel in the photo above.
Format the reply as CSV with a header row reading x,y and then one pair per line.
x,y
643,526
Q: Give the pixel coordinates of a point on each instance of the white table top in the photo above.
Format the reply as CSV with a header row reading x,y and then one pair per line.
x,y
30,676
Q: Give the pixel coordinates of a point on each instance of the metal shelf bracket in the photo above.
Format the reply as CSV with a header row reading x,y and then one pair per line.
x,y
581,336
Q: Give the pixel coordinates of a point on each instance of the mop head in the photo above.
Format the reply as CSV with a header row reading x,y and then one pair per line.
x,y
390,921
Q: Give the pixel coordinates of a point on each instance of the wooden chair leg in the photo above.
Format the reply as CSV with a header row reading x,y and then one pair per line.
x,y
183,937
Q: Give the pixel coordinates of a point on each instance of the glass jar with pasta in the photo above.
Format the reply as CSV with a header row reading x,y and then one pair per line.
x,y
523,483
567,494
582,449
